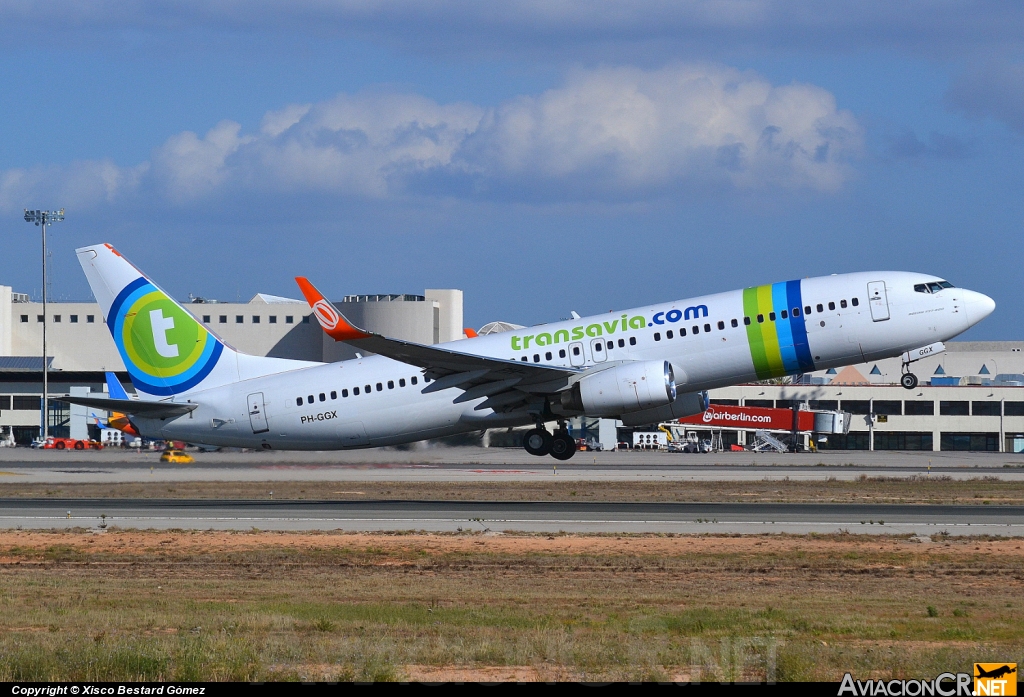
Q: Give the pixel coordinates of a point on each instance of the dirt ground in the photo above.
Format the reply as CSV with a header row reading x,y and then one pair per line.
x,y
936,489
120,604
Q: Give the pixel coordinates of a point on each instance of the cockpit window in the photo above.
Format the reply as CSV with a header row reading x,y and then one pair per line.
x,y
933,287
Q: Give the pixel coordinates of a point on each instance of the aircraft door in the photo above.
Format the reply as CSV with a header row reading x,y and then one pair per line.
x,y
597,351
257,413
878,301
576,356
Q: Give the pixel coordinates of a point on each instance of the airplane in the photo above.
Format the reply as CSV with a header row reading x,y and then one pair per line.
x,y
117,420
644,365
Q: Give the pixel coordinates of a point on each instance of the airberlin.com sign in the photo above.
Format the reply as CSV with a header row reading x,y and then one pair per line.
x,y
750,417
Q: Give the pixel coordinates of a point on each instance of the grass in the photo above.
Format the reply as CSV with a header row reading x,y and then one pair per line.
x,y
916,489
127,605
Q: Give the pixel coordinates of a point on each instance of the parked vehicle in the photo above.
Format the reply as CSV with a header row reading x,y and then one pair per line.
x,y
52,443
177,457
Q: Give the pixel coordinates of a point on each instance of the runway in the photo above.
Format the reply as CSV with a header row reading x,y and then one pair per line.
x,y
486,516
492,464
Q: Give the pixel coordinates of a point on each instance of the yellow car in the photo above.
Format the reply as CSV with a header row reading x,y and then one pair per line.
x,y
177,457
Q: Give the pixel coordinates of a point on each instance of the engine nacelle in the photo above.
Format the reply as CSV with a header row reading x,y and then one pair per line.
x,y
633,386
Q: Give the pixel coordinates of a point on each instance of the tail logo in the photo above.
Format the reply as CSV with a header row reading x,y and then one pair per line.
x,y
165,350
325,314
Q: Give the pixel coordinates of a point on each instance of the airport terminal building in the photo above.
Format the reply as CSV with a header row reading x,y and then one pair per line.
x,y
971,397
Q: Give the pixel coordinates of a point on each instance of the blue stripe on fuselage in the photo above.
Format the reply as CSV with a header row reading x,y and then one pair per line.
x,y
798,328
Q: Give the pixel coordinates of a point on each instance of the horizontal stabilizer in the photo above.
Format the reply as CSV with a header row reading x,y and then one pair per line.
x,y
147,410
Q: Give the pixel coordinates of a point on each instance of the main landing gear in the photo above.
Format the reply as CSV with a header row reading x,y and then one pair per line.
x,y
560,446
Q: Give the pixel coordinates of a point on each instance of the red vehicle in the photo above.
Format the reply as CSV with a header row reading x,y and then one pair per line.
x,y
70,444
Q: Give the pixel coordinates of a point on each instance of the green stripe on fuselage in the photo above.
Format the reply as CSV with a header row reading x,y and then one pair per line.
x,y
762,337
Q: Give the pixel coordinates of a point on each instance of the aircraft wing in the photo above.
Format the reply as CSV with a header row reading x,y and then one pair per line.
x,y
480,376
147,410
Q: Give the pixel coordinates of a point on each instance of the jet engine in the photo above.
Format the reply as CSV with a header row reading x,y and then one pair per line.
x,y
632,386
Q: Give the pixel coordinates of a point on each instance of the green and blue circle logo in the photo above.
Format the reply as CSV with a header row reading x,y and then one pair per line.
x,y
164,348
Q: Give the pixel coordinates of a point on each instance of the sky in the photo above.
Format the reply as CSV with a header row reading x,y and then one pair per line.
x,y
544,157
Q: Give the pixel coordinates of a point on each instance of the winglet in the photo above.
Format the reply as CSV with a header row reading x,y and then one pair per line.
x,y
332,321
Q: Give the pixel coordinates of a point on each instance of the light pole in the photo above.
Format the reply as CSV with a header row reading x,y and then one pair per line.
x,y
42,219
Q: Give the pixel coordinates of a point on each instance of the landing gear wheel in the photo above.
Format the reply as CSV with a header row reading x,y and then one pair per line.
x,y
563,446
909,381
538,442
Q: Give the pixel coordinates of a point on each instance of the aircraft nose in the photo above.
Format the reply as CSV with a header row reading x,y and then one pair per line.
x,y
978,306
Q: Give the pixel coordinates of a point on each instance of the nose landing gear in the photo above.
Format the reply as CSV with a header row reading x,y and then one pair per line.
x,y
908,380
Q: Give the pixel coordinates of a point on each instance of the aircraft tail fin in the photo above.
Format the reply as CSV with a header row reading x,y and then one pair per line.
x,y
165,349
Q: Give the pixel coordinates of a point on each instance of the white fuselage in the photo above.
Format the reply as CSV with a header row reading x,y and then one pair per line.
x,y
317,408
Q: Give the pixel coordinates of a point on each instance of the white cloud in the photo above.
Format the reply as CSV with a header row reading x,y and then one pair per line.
x,y
621,132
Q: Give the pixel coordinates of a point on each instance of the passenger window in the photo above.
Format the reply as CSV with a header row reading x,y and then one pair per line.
x,y
807,309
707,327
785,315
820,308
525,359
401,382
575,350
682,331
309,399
657,336
298,402
842,303
413,379
771,316
380,387
796,311
561,353
831,306
746,321
696,329
323,397
355,391
334,394
855,302
391,384
734,323
536,358
368,389
622,343
669,334
547,356
632,340
611,345
760,319
721,325
344,393
598,345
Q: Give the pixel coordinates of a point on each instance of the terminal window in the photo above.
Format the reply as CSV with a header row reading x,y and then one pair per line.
x,y
239,319
272,319
73,319
26,403
39,318
917,407
5,401
305,320
206,319
56,318
24,318
89,319
985,408
255,319
1013,408
888,406
954,408
288,319
856,406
